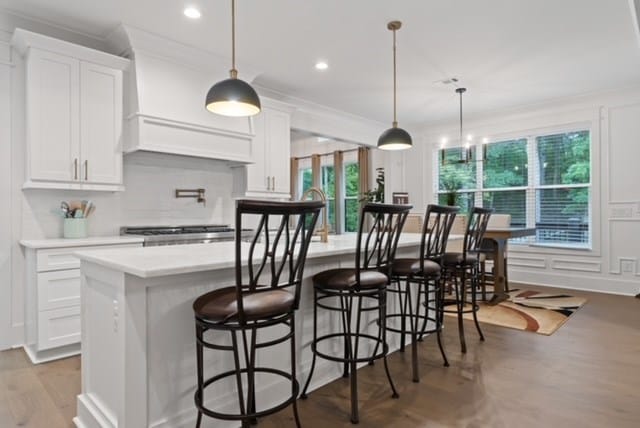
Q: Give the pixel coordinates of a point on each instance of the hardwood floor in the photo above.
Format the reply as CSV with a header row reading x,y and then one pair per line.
x,y
587,374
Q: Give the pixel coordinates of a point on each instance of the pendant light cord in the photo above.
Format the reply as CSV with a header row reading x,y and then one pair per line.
x,y
460,116
395,120
233,71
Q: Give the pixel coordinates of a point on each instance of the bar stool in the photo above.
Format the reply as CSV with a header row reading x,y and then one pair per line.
x,y
375,251
421,279
266,294
460,267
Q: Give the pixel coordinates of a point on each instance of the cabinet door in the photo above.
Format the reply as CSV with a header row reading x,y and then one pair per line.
x,y
278,132
100,124
52,88
257,172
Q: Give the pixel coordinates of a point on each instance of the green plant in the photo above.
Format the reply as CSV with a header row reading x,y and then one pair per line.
x,y
377,194
451,181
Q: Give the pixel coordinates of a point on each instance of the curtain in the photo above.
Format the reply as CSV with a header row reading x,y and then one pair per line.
x,y
316,171
295,176
338,167
363,166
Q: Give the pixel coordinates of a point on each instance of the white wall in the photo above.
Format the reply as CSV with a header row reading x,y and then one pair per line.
x,y
614,120
5,195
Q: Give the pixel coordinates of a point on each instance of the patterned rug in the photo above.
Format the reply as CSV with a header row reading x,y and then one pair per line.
x,y
529,310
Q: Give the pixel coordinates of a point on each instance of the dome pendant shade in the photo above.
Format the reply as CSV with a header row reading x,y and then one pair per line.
x,y
233,97
395,139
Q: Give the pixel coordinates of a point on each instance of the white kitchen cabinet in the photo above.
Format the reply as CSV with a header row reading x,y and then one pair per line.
x,y
52,298
73,114
269,176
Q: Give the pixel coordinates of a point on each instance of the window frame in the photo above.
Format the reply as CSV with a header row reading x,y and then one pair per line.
x,y
533,181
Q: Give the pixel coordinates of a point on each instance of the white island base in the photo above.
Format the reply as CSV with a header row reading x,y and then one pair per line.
x,y
138,333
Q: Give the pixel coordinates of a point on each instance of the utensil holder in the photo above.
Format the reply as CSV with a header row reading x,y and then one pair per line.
x,y
75,228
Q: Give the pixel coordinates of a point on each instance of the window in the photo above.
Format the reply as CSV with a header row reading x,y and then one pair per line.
x,y
542,181
351,196
348,198
328,183
563,191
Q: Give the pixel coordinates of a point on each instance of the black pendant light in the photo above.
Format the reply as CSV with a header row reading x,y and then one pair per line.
x,y
233,97
394,138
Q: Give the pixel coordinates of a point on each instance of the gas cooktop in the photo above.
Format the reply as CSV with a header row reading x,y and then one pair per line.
x,y
173,235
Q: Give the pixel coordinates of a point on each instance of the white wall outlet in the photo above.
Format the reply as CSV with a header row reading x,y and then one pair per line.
x,y
627,265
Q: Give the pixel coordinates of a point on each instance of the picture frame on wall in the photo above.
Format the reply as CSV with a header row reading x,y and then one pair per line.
x,y
400,198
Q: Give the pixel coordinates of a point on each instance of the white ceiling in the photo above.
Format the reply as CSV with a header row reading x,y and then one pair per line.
x,y
506,52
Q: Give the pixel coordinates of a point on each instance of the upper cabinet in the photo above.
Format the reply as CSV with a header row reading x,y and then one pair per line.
x,y
73,114
269,175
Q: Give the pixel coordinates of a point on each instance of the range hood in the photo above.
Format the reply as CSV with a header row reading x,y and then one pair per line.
x,y
164,100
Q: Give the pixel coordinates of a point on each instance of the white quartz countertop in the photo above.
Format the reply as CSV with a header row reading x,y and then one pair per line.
x,y
149,262
81,242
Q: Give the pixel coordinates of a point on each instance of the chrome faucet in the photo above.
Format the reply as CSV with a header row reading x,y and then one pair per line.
x,y
324,230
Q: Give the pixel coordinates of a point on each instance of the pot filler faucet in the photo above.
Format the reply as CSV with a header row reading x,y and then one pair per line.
x,y
198,194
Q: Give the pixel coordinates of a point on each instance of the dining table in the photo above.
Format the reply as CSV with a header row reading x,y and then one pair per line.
x,y
499,236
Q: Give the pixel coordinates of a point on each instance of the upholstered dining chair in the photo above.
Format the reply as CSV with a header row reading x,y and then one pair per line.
x,y
487,248
266,294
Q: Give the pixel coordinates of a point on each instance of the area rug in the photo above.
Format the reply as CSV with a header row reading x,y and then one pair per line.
x,y
529,310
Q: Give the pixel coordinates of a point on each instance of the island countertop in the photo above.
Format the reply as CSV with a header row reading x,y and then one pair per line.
x,y
150,262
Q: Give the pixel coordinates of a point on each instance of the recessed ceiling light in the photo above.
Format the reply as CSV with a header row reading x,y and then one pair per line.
x,y
321,65
192,12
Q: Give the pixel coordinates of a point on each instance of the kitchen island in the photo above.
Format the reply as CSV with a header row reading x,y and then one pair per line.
x,y
138,334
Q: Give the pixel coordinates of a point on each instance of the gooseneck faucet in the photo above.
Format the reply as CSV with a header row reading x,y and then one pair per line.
x,y
323,231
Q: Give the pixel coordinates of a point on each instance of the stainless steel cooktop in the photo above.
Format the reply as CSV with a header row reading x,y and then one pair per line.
x,y
174,235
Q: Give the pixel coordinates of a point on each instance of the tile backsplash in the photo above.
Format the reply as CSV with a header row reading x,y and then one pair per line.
x,y
150,180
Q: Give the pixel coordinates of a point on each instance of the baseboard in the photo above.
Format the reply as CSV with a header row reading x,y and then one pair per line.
x,y
38,357
91,414
596,284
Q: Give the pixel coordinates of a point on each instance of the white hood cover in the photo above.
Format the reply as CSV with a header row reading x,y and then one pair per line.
x,y
165,95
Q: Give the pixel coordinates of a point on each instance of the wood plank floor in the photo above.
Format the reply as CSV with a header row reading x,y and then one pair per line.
x,y
587,374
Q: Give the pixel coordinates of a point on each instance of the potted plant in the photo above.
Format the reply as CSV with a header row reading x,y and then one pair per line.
x,y
377,194
452,182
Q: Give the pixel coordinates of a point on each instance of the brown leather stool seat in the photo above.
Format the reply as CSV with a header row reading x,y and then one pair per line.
x,y
457,259
345,278
222,305
408,267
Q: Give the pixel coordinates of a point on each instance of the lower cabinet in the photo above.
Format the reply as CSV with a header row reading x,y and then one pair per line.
x,y
52,300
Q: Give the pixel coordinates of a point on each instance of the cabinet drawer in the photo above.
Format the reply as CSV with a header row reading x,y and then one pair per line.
x,y
58,289
63,258
58,327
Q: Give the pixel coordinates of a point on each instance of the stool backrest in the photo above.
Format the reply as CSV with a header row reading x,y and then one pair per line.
x,y
378,235
274,251
435,232
476,227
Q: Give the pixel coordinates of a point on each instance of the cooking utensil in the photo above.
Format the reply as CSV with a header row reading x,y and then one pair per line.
x,y
65,208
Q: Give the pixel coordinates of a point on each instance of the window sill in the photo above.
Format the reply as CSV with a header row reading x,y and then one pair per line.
x,y
553,246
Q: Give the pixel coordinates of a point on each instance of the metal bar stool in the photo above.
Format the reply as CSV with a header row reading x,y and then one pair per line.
x,y
266,294
375,251
460,267
419,279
